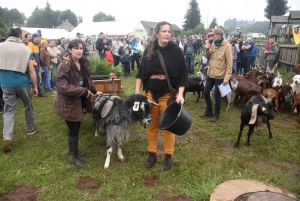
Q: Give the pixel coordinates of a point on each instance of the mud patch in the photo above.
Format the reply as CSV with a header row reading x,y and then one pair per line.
x,y
151,181
259,165
225,143
207,144
295,169
138,135
284,122
164,195
23,193
88,183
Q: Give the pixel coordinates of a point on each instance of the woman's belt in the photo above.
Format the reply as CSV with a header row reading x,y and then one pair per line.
x,y
158,76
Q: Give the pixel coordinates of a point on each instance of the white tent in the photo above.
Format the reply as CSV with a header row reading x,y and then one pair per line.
x,y
111,28
47,33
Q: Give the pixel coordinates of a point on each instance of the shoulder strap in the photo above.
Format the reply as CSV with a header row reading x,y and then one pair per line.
x,y
162,62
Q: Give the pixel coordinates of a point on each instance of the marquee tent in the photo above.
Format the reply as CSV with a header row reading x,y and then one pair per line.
x,y
47,33
111,28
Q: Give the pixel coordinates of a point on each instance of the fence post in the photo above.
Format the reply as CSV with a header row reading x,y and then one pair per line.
x,y
298,60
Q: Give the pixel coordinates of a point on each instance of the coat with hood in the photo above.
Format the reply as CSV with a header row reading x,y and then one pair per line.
x,y
220,61
272,52
71,97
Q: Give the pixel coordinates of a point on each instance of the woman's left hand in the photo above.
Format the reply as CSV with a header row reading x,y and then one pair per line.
x,y
180,99
99,93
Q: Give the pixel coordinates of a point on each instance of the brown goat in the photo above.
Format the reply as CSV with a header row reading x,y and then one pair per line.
x,y
296,70
284,93
272,95
296,105
246,89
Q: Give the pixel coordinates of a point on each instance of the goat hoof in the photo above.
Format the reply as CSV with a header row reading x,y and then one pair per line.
x,y
236,146
122,159
106,168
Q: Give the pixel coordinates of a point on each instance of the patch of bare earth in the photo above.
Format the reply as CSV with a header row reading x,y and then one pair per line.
x,y
295,169
138,135
151,181
164,195
23,193
88,183
284,122
226,144
259,165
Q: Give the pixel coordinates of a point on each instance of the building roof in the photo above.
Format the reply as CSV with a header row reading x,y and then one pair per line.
x,y
279,19
48,33
294,15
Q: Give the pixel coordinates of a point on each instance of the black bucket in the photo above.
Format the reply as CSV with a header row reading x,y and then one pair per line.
x,y
175,119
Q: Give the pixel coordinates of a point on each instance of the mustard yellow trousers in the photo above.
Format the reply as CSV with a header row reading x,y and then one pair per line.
x,y
156,111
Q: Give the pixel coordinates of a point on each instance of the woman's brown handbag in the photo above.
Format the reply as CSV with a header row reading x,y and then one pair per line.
x,y
173,91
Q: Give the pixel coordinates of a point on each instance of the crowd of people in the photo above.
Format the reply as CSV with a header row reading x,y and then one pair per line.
x,y
66,69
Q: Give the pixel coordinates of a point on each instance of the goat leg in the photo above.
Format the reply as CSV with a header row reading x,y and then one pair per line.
x,y
269,128
239,136
250,131
121,157
107,161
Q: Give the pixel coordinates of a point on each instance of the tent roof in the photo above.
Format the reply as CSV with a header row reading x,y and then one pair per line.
x,y
112,28
48,33
150,25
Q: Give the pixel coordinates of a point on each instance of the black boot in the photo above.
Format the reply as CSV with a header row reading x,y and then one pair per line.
x,y
73,150
151,160
168,162
215,118
80,153
206,114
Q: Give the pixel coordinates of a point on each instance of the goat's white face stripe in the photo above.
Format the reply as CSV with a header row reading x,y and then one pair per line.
x,y
136,106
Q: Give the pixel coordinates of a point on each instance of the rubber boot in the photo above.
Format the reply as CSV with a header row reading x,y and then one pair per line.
x,y
80,153
73,150
168,162
151,160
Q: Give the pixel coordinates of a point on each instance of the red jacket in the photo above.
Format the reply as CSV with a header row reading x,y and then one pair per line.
x,y
109,58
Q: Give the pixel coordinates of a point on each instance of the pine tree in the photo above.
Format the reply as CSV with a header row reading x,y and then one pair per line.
x,y
192,16
276,7
213,23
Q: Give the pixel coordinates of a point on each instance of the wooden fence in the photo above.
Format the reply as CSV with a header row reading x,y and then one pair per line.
x,y
288,55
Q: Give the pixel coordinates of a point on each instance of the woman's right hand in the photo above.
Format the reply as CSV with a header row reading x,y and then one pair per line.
x,y
89,94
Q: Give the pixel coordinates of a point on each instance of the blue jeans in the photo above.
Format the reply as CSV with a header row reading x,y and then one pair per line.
x,y
38,78
190,62
46,78
234,67
53,73
210,83
247,63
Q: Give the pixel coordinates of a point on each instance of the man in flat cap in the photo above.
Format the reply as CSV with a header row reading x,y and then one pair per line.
x,y
219,71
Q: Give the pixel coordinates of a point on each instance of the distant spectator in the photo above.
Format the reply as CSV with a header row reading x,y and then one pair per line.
x,y
34,46
179,42
108,40
46,65
238,33
235,50
90,49
54,54
189,54
109,57
254,54
116,44
63,47
248,47
126,60
101,46
122,50
136,48
27,38
271,51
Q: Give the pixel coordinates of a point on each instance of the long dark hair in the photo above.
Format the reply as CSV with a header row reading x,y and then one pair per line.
x,y
84,62
151,47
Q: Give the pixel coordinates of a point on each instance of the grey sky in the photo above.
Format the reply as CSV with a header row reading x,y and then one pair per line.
x,y
154,10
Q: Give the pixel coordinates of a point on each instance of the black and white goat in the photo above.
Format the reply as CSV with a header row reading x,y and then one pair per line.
x,y
256,109
113,116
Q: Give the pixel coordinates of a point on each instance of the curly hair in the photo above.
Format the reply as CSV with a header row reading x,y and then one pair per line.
x,y
152,44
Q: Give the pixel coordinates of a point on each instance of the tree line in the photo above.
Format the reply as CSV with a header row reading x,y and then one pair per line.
x,y
193,25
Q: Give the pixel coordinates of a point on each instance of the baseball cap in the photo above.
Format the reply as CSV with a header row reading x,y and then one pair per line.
x,y
237,27
35,35
217,31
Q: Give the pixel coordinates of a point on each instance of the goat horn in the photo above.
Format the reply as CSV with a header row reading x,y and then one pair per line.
x,y
264,98
152,102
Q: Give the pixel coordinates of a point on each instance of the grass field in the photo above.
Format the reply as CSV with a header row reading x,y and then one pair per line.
x,y
203,158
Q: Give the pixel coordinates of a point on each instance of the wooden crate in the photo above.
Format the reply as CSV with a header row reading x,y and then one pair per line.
x,y
106,87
